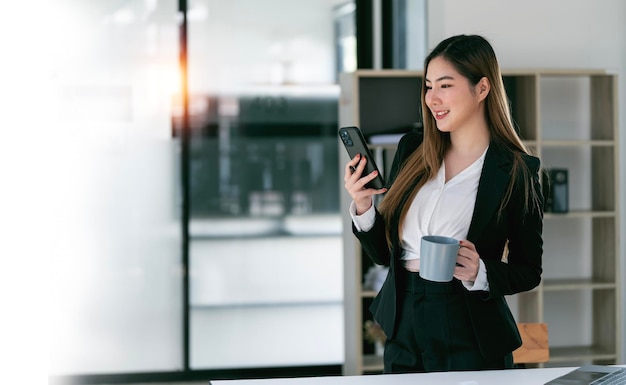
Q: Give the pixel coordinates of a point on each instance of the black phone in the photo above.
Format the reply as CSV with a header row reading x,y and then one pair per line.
x,y
355,143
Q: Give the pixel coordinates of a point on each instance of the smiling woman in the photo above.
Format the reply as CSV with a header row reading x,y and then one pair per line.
x,y
470,178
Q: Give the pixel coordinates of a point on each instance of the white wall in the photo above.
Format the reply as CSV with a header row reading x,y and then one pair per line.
x,y
22,275
259,42
547,34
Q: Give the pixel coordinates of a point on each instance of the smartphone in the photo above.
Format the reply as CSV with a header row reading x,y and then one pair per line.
x,y
355,143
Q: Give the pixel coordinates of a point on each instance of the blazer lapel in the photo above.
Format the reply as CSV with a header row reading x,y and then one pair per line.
x,y
491,188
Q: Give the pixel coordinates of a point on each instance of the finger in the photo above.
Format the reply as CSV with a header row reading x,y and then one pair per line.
x,y
360,165
357,178
467,260
351,164
460,261
354,161
467,244
463,252
368,178
366,193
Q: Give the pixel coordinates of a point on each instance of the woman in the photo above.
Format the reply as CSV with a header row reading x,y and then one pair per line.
x,y
469,177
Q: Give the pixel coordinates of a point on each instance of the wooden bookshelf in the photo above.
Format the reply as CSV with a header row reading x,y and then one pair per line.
x,y
569,119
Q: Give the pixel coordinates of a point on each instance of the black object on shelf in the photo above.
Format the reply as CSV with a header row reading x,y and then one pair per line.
x,y
555,190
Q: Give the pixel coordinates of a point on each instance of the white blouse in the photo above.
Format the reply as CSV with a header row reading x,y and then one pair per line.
x,y
439,208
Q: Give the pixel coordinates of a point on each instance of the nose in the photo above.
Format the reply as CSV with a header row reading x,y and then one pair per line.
x,y
432,97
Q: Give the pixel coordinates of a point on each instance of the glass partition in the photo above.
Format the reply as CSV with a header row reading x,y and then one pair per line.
x,y
265,232
265,263
116,277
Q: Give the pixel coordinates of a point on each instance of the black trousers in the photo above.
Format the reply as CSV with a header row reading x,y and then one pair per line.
x,y
434,331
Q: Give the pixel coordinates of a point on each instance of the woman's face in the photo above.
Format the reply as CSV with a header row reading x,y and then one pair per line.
x,y
451,99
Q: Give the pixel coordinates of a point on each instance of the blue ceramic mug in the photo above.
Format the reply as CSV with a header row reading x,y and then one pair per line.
x,y
438,258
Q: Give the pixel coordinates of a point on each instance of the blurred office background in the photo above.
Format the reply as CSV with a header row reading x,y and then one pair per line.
x,y
263,243
248,281
264,267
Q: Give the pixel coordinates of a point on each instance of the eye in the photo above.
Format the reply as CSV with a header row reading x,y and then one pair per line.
x,y
428,87
446,85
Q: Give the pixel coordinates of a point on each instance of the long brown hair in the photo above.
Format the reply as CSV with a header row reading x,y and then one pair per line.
x,y
473,57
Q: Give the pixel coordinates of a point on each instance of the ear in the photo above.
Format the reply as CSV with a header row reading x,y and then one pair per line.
x,y
482,88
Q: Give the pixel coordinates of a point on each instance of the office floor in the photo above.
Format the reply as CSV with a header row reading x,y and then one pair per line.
x,y
190,382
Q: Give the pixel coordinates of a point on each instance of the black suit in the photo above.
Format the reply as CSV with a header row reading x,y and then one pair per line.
x,y
492,322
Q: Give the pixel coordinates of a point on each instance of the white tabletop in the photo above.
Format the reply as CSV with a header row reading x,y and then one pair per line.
x,y
486,377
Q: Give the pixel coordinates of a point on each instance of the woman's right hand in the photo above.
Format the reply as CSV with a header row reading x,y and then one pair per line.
x,y
355,184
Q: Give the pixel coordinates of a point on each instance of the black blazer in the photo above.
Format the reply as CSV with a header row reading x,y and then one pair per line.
x,y
492,321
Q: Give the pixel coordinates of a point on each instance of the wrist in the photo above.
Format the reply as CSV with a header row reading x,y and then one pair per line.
x,y
360,209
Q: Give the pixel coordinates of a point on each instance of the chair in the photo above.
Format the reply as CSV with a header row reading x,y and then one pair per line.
x,y
534,349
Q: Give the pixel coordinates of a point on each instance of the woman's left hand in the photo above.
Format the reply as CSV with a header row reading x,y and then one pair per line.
x,y
467,262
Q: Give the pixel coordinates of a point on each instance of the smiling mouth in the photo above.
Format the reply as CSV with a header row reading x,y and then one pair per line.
x,y
441,114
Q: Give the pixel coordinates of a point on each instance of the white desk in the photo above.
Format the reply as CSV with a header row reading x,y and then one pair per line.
x,y
487,377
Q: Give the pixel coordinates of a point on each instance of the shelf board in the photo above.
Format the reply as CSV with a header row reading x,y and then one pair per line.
x,y
548,285
580,353
576,284
263,304
383,146
560,72
373,363
577,143
528,72
363,73
368,294
250,227
580,214
557,354
530,142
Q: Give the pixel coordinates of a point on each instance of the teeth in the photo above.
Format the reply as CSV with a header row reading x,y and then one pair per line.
x,y
441,113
